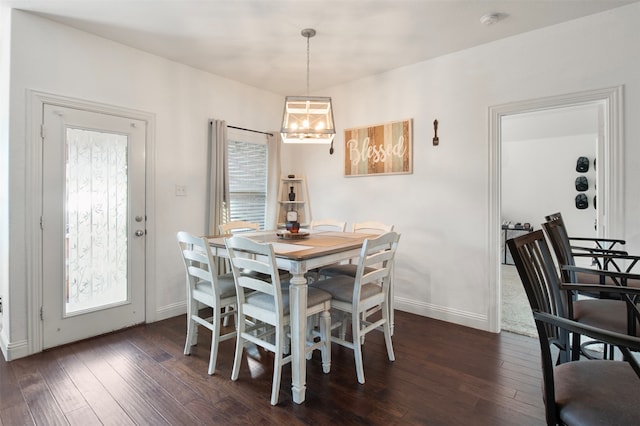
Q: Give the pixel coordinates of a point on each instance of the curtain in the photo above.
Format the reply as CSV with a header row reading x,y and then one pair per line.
x,y
273,179
218,182
218,178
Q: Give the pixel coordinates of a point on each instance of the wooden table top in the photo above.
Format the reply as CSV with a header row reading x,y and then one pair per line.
x,y
315,245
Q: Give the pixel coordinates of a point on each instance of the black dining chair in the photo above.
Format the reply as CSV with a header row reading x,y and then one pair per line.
x,y
578,392
602,255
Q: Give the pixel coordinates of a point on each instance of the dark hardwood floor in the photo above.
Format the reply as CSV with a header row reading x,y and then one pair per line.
x,y
443,375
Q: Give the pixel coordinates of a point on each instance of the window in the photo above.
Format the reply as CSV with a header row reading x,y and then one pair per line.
x,y
247,158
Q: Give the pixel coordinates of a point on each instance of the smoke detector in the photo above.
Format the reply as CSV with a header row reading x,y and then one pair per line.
x,y
491,18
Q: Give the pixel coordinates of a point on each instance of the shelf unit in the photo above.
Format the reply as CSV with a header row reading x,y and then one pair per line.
x,y
300,204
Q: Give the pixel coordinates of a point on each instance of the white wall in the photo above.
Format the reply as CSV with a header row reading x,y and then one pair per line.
x,y
56,59
539,154
442,208
538,178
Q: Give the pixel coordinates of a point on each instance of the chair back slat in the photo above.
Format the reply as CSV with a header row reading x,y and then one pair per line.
x,y
328,225
236,226
372,227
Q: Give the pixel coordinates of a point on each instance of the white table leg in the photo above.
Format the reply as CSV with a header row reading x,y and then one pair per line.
x,y
298,307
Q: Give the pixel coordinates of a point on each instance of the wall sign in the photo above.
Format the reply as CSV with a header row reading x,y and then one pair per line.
x,y
381,149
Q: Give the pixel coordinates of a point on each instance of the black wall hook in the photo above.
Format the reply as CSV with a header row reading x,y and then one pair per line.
x,y
436,141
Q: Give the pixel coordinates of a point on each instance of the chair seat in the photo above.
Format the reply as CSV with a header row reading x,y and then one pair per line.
x,y
265,301
348,269
203,291
283,274
585,401
603,313
341,288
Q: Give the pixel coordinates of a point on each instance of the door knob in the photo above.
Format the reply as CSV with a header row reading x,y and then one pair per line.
x,y
139,232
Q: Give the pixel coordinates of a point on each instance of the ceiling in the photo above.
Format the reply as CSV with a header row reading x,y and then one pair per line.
x,y
258,42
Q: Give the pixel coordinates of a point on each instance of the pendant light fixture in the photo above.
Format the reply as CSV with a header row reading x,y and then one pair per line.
x,y
307,119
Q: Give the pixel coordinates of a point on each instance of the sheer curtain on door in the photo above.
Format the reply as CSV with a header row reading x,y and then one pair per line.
x,y
96,219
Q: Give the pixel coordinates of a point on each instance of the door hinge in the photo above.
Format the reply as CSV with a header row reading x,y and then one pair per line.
x,y
41,314
42,131
41,223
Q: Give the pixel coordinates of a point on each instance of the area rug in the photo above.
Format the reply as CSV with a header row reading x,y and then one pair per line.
x,y
516,313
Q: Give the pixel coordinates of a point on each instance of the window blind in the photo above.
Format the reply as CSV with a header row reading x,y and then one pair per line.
x,y
248,168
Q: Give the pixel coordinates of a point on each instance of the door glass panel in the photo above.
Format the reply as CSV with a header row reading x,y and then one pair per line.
x,y
96,220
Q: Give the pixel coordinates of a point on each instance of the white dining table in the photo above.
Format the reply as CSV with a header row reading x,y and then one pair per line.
x,y
298,256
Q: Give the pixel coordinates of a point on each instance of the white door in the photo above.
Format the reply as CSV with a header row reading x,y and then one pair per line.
x,y
93,224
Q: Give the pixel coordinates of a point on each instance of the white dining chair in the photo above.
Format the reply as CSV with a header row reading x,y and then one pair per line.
x,y
268,303
324,225
349,268
236,226
370,227
240,226
368,290
328,225
205,287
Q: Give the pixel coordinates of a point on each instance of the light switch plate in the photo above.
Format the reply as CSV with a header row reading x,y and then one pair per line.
x,y
181,190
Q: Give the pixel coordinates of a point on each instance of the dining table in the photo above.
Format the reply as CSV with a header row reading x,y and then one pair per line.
x,y
299,254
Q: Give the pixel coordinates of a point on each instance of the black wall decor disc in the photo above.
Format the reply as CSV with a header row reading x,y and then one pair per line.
x,y
582,202
582,184
582,165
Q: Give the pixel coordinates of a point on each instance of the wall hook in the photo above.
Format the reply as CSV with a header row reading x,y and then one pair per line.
x,y
436,141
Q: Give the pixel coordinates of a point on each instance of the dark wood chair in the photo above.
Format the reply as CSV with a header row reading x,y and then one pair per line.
x,y
597,243
584,392
603,259
602,252
599,313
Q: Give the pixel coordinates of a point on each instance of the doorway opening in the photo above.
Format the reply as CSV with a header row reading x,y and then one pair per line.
x,y
69,116
608,103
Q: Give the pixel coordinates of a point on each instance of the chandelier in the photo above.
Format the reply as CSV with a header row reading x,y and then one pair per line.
x,y
307,119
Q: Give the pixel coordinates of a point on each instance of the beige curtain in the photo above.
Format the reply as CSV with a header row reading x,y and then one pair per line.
x,y
274,141
218,183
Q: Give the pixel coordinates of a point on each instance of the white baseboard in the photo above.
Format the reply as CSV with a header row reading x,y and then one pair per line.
x,y
456,316
170,311
13,350
3,346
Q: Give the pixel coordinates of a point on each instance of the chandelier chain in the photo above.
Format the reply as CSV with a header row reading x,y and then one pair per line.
x,y
308,37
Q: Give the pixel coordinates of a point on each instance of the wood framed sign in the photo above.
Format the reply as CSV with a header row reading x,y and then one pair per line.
x,y
380,149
